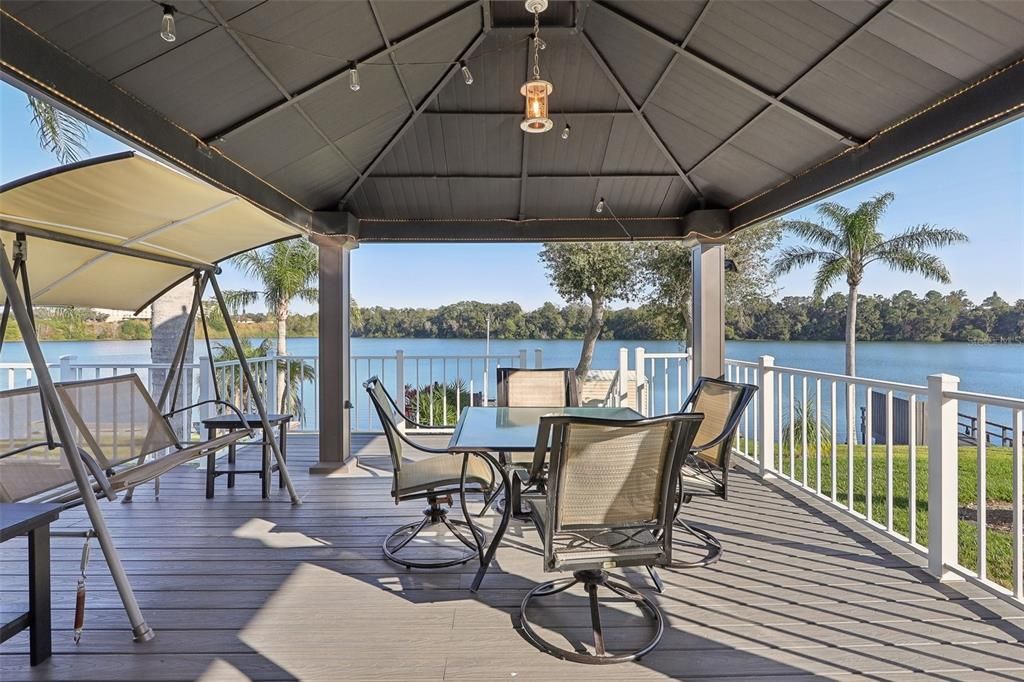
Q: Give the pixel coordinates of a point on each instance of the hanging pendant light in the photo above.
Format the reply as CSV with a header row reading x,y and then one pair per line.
x,y
536,90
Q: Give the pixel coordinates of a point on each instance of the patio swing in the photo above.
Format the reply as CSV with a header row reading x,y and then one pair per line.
x,y
77,441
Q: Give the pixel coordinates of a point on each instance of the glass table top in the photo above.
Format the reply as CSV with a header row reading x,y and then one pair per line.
x,y
514,429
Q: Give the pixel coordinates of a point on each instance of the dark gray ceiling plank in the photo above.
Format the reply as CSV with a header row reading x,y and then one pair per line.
x,y
675,56
452,70
992,101
601,62
541,176
276,83
31,62
772,99
297,97
391,55
838,46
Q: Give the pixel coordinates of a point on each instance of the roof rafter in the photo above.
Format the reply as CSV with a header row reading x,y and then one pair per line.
x,y
675,56
276,83
842,136
336,76
756,117
391,55
621,89
424,103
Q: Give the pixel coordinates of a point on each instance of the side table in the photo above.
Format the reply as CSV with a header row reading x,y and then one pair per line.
x,y
33,520
231,422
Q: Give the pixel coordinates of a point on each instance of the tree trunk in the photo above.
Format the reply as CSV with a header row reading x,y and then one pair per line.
x,y
851,332
169,314
282,349
594,326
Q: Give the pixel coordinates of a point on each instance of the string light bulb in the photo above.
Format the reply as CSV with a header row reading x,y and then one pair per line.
x,y
353,78
167,28
565,131
467,75
600,206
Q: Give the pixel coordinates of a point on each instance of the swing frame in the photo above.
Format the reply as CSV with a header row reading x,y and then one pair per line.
x,y
56,422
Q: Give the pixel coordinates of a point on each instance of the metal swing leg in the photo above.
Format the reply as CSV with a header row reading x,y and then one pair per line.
x,y
140,629
282,465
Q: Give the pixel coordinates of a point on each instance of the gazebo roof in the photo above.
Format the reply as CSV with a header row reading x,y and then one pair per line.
x,y
704,116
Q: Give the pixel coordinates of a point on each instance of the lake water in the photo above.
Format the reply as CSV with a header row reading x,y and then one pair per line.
x,y
985,368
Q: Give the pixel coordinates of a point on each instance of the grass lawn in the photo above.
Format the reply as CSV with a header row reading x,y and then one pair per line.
x,y
999,544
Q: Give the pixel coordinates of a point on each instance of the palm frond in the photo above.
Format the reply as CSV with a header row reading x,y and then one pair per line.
x,y
59,133
238,300
793,257
916,262
814,233
922,237
827,275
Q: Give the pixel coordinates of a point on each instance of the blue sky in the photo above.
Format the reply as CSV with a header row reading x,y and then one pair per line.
x,y
976,187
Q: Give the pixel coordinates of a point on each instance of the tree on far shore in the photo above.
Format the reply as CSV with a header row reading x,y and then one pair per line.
x,y
847,241
594,272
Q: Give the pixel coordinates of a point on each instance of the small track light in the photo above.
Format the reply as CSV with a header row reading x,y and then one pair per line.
x,y
167,29
565,131
600,206
353,78
467,75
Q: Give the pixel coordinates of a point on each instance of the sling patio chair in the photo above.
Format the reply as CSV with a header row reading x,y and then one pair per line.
x,y
609,504
119,433
438,479
705,471
552,387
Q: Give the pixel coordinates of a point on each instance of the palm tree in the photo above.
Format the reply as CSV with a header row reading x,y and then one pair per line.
x,y
230,380
286,270
59,133
846,242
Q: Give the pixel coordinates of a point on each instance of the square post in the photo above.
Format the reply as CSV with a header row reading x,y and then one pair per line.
x,y
766,415
708,265
942,476
335,355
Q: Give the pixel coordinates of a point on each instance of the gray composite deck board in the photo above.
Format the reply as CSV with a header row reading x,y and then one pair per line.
x,y
240,588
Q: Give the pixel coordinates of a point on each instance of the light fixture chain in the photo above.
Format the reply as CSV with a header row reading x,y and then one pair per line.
x,y
536,45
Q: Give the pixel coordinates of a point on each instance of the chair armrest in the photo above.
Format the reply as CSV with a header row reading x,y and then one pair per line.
x,y
238,412
97,473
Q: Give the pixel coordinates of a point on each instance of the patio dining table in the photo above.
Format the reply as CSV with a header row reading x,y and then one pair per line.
x,y
483,430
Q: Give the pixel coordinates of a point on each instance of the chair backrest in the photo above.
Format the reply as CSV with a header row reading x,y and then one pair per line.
x,y
610,489
115,419
537,387
722,403
389,418
28,465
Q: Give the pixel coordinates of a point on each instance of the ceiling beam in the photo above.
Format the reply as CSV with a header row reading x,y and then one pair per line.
x,y
337,76
752,120
424,103
30,62
519,113
710,224
842,136
268,74
391,55
675,56
546,176
992,101
621,89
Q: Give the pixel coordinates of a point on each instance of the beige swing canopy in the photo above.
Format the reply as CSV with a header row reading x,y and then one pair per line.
x,y
132,201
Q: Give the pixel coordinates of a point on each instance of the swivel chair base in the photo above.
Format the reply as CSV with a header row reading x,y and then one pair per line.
x,y
592,581
433,515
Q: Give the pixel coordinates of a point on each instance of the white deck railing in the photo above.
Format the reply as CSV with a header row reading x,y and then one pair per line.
x,y
802,428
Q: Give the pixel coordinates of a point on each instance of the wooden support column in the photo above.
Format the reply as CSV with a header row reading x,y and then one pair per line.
x,y
708,261
335,355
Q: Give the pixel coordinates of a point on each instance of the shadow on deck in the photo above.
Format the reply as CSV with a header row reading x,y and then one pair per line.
x,y
239,588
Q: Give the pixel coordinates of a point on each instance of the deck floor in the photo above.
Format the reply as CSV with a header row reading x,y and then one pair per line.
x,y
238,588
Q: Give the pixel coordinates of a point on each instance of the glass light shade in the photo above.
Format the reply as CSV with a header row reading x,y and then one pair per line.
x,y
536,118
167,28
